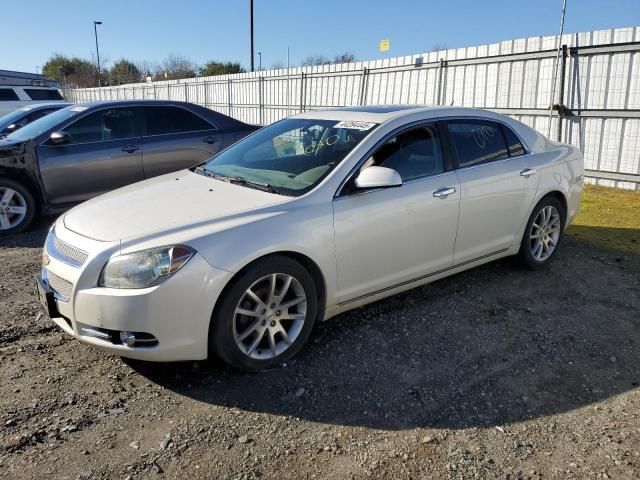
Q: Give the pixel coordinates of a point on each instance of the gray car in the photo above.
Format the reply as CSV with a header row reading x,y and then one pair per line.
x,y
87,149
14,121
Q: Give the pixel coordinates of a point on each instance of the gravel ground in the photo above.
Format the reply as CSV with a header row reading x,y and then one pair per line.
x,y
493,373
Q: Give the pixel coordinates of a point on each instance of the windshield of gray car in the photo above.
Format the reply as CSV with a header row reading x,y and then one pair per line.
x,y
291,156
45,123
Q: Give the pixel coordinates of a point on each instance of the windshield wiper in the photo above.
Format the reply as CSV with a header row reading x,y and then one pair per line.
x,y
265,187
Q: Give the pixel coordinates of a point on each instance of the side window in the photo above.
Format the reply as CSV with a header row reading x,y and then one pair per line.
x,y
163,120
8,95
43,94
103,125
513,144
477,141
414,153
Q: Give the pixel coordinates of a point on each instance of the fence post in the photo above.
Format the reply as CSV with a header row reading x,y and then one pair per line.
x,y
260,100
186,92
302,92
204,85
229,95
363,86
441,67
563,73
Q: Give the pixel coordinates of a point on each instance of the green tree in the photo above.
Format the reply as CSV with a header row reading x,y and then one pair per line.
x,y
220,68
72,71
124,71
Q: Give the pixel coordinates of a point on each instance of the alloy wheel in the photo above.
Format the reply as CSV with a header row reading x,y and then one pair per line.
x,y
270,316
13,208
545,233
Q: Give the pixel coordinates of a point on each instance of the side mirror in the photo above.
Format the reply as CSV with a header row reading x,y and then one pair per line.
x,y
58,138
378,177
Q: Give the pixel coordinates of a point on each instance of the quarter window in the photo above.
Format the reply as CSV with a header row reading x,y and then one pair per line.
x,y
513,144
477,142
413,154
103,125
8,95
163,120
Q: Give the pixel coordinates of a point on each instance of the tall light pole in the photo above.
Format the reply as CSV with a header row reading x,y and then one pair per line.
x,y
95,31
251,28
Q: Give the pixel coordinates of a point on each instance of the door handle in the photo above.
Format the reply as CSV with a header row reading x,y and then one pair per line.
x,y
130,148
209,140
527,172
444,192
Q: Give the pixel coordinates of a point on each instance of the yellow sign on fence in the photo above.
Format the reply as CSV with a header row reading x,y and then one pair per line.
x,y
384,45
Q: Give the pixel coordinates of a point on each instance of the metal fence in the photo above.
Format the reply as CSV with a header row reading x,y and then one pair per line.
x,y
596,105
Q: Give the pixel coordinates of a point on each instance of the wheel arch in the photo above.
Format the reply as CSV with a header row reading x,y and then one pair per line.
x,y
309,264
20,175
561,197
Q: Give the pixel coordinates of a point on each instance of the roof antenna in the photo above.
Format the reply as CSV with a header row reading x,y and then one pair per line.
x,y
555,67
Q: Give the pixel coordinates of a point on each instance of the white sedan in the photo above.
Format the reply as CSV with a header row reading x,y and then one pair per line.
x,y
307,218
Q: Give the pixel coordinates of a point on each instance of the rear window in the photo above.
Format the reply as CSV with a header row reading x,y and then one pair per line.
x,y
43,94
513,143
8,95
477,141
163,120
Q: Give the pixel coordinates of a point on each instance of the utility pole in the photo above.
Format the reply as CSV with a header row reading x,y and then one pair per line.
x,y
251,28
95,31
259,61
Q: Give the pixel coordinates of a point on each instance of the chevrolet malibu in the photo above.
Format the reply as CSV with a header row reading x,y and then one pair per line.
x,y
307,218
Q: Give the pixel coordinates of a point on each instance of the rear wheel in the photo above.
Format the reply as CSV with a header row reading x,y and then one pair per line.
x,y
17,207
266,316
543,234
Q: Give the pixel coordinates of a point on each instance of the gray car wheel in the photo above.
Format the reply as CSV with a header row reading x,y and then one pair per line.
x,y
17,207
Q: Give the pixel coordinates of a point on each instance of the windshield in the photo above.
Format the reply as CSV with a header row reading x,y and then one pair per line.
x,y
12,118
291,156
45,123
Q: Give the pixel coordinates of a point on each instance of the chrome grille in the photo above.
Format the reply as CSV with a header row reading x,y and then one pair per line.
x,y
64,252
60,286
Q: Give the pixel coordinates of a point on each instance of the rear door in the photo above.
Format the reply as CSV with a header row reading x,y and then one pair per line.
x,y
176,138
104,152
497,186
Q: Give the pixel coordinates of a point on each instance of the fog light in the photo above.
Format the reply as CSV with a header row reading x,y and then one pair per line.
x,y
128,339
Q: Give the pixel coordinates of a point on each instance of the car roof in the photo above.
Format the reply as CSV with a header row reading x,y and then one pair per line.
x,y
38,106
383,113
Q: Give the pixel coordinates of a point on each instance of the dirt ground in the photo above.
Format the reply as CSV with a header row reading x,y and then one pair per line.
x,y
493,373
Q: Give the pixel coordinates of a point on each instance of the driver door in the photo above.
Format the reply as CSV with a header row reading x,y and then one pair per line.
x,y
388,237
104,152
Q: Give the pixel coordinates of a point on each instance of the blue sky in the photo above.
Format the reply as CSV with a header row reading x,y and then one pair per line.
x,y
217,29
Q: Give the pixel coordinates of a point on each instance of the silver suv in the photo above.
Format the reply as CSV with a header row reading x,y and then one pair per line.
x,y
15,97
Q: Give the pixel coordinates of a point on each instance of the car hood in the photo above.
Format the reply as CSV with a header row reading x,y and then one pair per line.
x,y
9,146
167,203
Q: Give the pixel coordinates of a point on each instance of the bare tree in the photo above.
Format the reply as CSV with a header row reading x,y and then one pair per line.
x,y
177,66
346,57
314,60
438,47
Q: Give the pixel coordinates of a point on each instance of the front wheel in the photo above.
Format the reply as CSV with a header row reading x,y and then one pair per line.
x,y
266,315
17,207
543,234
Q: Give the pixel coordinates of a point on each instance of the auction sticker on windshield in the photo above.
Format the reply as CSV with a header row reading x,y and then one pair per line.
x,y
353,125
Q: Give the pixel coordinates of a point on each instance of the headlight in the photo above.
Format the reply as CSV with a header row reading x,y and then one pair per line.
x,y
145,268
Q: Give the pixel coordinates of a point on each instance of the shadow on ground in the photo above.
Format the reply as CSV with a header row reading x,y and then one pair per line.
x,y
490,346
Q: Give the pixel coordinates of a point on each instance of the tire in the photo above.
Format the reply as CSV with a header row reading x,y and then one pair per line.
x,y
247,330
543,234
14,198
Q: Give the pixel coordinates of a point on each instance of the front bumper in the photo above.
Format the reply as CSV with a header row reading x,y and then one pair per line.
x,y
176,313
